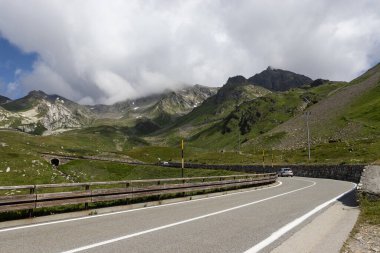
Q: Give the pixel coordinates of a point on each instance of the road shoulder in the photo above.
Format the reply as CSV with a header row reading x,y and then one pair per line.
x,y
326,233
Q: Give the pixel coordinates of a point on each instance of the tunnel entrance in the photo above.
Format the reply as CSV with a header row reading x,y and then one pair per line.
x,y
54,162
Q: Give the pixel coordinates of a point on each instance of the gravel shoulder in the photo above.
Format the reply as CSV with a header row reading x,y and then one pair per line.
x,y
326,233
365,237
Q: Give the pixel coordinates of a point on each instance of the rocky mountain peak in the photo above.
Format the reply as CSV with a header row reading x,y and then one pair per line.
x,y
279,80
236,80
37,94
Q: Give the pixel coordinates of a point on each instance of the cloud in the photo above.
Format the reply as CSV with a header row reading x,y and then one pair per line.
x,y
106,51
9,89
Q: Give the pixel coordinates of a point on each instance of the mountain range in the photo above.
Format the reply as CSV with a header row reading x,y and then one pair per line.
x,y
39,113
264,111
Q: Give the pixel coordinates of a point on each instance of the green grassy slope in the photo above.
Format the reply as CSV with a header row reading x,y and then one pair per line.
x,y
212,111
345,128
85,171
256,117
330,117
21,152
352,135
366,111
236,91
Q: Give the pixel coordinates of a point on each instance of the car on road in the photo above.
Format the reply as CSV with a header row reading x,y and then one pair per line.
x,y
285,172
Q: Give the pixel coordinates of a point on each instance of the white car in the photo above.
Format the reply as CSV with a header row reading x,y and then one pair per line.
x,y
285,172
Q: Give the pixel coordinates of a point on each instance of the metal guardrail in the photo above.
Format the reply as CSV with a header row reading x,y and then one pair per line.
x,y
49,195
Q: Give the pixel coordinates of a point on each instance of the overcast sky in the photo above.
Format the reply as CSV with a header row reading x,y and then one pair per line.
x,y
106,51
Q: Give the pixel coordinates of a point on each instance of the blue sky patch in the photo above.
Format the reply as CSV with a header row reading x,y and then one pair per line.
x,y
12,61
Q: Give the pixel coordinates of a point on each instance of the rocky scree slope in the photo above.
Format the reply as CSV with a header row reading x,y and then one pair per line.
x,y
41,113
159,107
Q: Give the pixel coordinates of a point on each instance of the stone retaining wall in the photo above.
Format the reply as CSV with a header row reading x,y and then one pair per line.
x,y
350,173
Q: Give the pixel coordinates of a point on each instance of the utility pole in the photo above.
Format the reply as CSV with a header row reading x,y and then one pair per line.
x,y
308,113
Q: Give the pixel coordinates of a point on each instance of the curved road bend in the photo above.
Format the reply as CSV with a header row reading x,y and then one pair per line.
x,y
228,223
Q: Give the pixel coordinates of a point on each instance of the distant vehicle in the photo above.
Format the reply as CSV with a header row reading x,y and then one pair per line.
x,y
285,172
165,163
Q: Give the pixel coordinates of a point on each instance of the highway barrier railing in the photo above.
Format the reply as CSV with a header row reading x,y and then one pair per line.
x,y
30,197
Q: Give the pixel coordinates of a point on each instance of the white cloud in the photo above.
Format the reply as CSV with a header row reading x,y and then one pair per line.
x,y
45,78
11,88
105,51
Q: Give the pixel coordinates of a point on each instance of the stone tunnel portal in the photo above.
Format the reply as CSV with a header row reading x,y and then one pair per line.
x,y
54,161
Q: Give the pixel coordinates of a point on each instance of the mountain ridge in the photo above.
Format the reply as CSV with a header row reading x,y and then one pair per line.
x,y
4,100
189,106
51,113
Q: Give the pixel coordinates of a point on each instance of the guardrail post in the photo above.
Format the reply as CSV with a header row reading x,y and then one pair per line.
x,y
30,211
183,193
87,187
126,186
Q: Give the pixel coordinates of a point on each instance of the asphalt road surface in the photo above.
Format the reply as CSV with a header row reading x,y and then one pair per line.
x,y
252,221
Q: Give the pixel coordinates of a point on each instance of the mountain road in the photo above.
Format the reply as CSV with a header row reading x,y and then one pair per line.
x,y
254,220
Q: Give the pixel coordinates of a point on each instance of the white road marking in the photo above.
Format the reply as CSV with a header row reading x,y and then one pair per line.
x,y
133,210
90,246
276,235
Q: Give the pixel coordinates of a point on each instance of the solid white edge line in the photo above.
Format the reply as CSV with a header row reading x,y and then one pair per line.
x,y
90,246
133,210
283,230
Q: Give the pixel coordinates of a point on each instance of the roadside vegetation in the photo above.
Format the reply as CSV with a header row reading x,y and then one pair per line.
x,y
370,211
364,237
90,171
